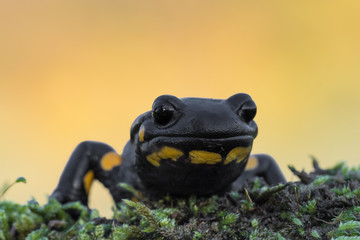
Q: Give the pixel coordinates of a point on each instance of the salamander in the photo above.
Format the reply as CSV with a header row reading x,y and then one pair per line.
x,y
182,147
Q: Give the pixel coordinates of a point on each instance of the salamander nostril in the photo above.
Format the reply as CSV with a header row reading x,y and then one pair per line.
x,y
248,111
162,114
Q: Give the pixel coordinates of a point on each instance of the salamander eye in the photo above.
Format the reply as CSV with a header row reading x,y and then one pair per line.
x,y
243,105
163,114
166,110
248,111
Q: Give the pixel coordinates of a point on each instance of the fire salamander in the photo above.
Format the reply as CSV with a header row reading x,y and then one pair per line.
x,y
188,146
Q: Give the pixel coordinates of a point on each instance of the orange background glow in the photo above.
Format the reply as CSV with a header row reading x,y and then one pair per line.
x,y
83,70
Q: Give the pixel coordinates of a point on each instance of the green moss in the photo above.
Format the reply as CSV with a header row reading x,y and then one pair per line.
x,y
6,187
309,207
296,210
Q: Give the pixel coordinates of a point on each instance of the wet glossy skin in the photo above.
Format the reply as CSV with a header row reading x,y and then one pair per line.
x,y
182,147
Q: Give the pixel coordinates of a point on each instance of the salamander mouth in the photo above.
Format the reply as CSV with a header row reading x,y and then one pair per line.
x,y
179,151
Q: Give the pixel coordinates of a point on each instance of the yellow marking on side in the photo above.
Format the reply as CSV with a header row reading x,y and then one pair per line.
x,y
141,134
252,163
238,154
170,153
110,160
88,179
164,153
199,157
154,159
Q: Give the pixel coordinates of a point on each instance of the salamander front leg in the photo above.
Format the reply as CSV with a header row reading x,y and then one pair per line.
x,y
88,161
260,165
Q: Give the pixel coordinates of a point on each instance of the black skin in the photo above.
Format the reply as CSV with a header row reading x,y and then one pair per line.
x,y
204,125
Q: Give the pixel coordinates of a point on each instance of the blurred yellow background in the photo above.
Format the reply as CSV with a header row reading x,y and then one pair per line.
x,y
73,71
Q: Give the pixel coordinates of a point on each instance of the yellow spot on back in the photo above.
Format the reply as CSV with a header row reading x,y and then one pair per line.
x,y
141,134
252,163
88,179
110,160
238,154
199,157
164,153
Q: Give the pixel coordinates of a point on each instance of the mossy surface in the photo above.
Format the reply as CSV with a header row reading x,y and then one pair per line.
x,y
324,204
